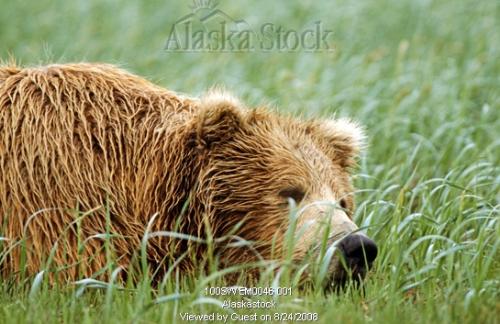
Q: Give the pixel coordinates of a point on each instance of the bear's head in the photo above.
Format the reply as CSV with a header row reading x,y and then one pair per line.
x,y
264,175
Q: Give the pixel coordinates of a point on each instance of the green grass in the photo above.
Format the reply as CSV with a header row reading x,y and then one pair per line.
x,y
422,76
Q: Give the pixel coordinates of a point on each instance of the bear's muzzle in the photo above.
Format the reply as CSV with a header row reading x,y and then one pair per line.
x,y
358,251
356,255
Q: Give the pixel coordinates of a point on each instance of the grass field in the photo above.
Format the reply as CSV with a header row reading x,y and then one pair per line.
x,y
422,76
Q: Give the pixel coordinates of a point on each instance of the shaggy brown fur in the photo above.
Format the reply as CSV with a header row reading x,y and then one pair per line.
x,y
88,149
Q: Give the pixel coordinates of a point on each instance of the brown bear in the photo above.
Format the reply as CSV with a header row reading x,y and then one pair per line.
x,y
93,158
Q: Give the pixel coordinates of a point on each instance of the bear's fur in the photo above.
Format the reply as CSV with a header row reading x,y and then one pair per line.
x,y
89,149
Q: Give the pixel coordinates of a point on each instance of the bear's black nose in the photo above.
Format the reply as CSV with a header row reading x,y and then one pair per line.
x,y
359,251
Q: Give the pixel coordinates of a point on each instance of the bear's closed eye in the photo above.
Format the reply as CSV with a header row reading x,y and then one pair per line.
x,y
295,193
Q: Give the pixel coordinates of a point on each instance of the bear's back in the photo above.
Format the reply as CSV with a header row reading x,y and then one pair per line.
x,y
73,134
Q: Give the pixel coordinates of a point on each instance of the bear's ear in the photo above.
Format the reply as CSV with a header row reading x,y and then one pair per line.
x,y
218,118
341,139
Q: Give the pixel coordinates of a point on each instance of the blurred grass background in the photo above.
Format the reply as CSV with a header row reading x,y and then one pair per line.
x,y
422,76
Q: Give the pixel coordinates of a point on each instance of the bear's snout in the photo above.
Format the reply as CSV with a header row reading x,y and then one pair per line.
x,y
359,252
